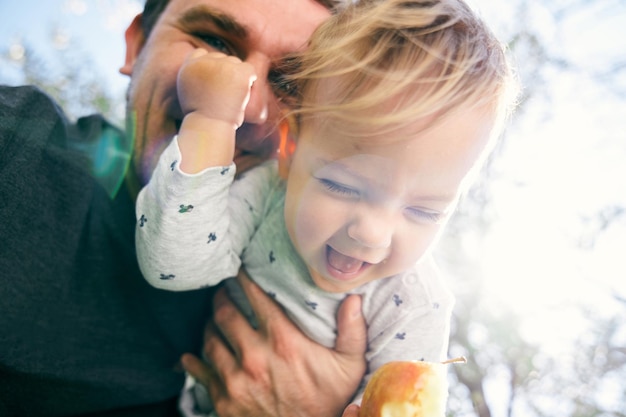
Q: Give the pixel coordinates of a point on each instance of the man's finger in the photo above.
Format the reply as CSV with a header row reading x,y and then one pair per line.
x,y
197,368
204,375
217,353
230,323
264,307
351,327
351,411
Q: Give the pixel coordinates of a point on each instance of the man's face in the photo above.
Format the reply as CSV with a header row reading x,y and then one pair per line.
x,y
259,32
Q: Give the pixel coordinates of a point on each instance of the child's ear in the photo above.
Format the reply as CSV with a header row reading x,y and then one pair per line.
x,y
287,146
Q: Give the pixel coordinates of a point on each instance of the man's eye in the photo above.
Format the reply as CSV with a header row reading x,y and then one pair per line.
x,y
281,84
283,88
337,188
422,215
215,42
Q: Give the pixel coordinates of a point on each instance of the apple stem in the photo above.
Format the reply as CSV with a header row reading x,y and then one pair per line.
x,y
460,359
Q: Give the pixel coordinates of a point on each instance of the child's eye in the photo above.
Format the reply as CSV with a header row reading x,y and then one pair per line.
x,y
338,188
420,214
215,42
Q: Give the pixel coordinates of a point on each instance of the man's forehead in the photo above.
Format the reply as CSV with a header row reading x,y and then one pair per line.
x,y
276,25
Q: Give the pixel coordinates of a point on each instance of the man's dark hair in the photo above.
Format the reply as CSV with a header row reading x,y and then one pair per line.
x,y
151,12
153,9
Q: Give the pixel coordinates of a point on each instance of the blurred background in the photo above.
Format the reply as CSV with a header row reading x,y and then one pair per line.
x,y
536,253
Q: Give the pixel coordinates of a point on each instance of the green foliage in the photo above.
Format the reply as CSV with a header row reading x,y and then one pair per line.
x,y
69,76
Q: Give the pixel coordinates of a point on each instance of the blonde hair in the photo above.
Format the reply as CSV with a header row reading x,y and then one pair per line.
x,y
419,58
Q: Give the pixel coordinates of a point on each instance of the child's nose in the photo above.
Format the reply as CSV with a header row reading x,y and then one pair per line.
x,y
372,229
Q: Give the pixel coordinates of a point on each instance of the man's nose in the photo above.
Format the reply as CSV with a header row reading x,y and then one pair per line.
x,y
372,228
257,109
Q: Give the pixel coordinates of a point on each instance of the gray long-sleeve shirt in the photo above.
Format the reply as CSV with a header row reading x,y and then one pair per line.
x,y
197,230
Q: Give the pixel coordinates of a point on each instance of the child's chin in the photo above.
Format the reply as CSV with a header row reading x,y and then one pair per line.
x,y
329,283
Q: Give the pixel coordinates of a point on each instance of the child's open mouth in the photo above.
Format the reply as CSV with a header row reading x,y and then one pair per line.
x,y
341,266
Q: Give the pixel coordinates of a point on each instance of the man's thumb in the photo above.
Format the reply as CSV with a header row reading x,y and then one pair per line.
x,y
351,327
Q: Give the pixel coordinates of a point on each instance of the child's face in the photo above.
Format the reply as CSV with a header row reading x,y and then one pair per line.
x,y
359,212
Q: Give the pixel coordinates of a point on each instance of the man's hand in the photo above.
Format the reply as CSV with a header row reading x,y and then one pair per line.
x,y
351,411
276,370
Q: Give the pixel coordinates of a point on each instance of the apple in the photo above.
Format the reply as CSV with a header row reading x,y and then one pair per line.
x,y
407,389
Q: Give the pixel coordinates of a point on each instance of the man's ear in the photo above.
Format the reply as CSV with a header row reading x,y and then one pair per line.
x,y
135,40
287,146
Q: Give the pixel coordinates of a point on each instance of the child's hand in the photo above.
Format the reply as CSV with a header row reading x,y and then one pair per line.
x,y
213,90
215,86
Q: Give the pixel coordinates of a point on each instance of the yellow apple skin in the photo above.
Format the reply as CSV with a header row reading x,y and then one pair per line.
x,y
406,389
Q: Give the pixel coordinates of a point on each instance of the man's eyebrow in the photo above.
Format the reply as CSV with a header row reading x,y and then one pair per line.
x,y
207,15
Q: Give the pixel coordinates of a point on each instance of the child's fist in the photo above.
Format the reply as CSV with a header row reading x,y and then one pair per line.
x,y
215,85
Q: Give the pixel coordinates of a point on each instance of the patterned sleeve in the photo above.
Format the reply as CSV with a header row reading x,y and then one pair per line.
x,y
184,235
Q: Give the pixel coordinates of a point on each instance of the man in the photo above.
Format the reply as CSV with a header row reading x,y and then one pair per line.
x,y
82,333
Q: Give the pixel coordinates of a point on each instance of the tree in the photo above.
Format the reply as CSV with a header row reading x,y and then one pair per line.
x,y
70,77
507,374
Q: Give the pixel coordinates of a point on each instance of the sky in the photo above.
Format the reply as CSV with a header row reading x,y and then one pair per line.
x,y
96,26
560,168
567,158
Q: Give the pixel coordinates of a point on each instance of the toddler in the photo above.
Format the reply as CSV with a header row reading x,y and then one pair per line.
x,y
395,104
